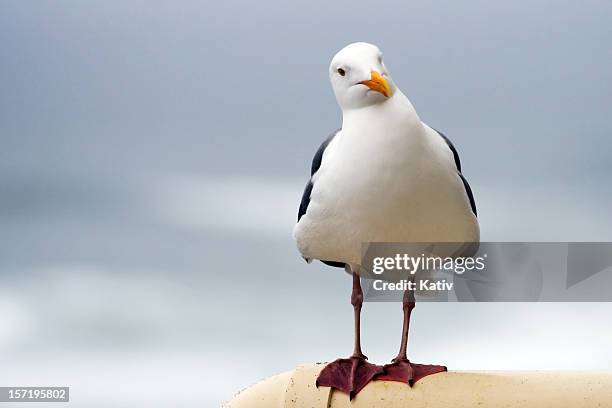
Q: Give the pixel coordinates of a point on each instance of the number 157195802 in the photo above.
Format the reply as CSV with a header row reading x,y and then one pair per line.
x,y
32,394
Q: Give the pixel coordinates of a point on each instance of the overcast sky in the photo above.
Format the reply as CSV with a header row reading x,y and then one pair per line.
x,y
153,154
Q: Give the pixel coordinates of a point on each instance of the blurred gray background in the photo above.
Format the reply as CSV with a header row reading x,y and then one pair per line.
x,y
153,154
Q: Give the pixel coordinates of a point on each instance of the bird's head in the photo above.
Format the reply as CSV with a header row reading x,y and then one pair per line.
x,y
359,76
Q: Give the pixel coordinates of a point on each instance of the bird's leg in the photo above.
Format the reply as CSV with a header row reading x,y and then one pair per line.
x,y
408,304
357,302
351,374
401,369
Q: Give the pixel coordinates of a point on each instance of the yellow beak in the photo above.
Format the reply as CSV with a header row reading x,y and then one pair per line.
x,y
378,83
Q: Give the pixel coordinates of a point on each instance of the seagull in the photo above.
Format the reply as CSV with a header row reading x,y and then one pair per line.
x,y
384,176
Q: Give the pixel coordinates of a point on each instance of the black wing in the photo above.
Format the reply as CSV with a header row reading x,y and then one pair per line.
x,y
468,189
316,163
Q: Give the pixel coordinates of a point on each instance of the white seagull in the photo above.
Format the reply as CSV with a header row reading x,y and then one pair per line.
x,y
385,176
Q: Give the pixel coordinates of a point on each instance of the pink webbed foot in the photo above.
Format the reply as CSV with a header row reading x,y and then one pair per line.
x,y
409,373
349,375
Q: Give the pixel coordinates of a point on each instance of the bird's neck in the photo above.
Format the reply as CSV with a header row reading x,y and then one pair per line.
x,y
394,113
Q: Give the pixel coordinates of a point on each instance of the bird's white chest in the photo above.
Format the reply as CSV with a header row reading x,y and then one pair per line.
x,y
376,175
383,181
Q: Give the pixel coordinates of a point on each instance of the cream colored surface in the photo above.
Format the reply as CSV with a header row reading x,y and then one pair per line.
x,y
296,389
269,393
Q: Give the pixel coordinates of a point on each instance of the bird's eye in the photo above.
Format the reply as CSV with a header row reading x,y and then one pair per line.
x,y
341,72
